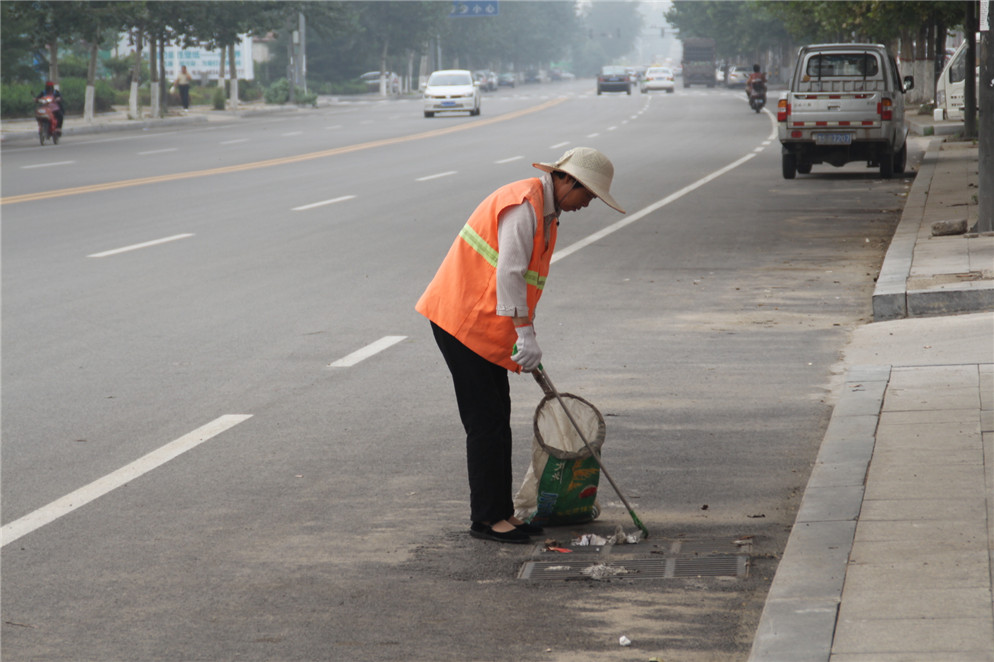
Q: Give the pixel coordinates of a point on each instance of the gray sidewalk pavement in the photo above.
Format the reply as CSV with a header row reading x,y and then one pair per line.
x,y
891,557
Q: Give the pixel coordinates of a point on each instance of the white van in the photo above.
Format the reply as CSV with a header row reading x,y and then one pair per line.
x,y
950,89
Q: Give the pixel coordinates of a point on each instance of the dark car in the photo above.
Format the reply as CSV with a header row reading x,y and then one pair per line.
x,y
614,79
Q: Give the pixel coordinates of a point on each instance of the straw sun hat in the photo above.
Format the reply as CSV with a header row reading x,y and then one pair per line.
x,y
589,167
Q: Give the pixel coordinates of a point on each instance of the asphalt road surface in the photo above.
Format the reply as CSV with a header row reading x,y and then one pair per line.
x,y
227,435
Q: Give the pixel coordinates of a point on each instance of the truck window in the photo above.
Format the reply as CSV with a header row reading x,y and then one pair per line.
x,y
957,70
898,83
851,65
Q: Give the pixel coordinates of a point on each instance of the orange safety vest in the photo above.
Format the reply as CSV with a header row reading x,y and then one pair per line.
x,y
462,297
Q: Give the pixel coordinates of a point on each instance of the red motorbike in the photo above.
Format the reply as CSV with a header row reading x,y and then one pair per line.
x,y
48,123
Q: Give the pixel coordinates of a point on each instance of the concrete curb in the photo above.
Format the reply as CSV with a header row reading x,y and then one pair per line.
x,y
890,296
798,619
200,117
106,127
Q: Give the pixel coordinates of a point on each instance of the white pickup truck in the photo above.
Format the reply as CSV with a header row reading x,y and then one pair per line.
x,y
846,103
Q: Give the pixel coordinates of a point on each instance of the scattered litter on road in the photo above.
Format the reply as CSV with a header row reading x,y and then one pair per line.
x,y
601,571
619,537
624,641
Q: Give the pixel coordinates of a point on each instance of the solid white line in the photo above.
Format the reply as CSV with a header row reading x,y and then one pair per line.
x,y
558,145
366,352
323,202
628,220
232,142
508,160
45,165
84,495
159,151
134,247
441,174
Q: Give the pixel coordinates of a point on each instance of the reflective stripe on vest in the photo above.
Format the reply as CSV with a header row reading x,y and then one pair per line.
x,y
489,253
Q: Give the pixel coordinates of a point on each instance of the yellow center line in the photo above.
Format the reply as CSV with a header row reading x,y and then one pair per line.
x,y
268,163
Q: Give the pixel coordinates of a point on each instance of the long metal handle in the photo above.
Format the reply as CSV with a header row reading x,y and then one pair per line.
x,y
542,377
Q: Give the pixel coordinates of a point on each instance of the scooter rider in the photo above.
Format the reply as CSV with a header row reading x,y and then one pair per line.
x,y
756,81
57,104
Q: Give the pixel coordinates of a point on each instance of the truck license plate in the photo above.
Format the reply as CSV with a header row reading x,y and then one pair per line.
x,y
833,138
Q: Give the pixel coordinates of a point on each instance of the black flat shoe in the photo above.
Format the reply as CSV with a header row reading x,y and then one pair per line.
x,y
530,529
484,532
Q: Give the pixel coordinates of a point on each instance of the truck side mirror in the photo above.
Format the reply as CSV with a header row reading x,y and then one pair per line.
x,y
909,83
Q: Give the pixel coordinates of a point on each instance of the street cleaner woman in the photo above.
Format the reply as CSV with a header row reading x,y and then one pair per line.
x,y
481,304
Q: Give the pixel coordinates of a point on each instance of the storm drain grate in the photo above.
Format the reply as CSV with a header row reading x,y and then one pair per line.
x,y
718,565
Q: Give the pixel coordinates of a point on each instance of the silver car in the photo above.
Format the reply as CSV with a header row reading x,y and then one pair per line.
x,y
451,90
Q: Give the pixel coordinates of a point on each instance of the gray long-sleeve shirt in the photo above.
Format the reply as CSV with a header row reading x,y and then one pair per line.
x,y
515,237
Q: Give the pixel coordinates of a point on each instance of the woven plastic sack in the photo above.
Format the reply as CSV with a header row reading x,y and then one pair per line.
x,y
561,484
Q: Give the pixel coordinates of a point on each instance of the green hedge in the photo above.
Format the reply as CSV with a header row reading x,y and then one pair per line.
x,y
18,99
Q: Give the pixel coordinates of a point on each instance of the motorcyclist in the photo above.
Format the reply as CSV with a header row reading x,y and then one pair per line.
x,y
57,104
756,81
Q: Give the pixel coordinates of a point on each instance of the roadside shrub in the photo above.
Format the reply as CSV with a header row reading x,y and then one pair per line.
x,y
17,100
250,90
279,92
74,93
218,98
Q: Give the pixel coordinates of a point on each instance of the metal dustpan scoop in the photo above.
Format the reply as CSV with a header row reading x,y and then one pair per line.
x,y
581,426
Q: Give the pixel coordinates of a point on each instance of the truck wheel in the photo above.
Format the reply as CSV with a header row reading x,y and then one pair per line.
x,y
428,113
887,164
804,168
901,159
789,163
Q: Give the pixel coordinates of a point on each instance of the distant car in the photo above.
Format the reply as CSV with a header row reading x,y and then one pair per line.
x,y
451,90
737,77
372,81
613,79
486,79
658,78
506,80
533,76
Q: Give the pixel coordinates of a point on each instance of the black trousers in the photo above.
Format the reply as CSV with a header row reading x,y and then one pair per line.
x,y
483,395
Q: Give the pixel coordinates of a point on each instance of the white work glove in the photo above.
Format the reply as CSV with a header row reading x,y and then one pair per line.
x,y
528,355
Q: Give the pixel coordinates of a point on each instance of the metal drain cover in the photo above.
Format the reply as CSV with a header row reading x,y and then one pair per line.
x,y
677,559
676,568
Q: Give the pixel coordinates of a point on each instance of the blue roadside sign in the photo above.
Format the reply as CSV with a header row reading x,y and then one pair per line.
x,y
474,8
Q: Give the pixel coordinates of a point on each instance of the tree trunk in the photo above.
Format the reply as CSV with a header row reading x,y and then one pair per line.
x,y
940,54
91,78
134,108
920,69
153,52
234,77
53,61
163,94
985,94
970,91
383,67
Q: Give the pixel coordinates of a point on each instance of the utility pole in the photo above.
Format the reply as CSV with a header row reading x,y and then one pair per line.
x,y
985,95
